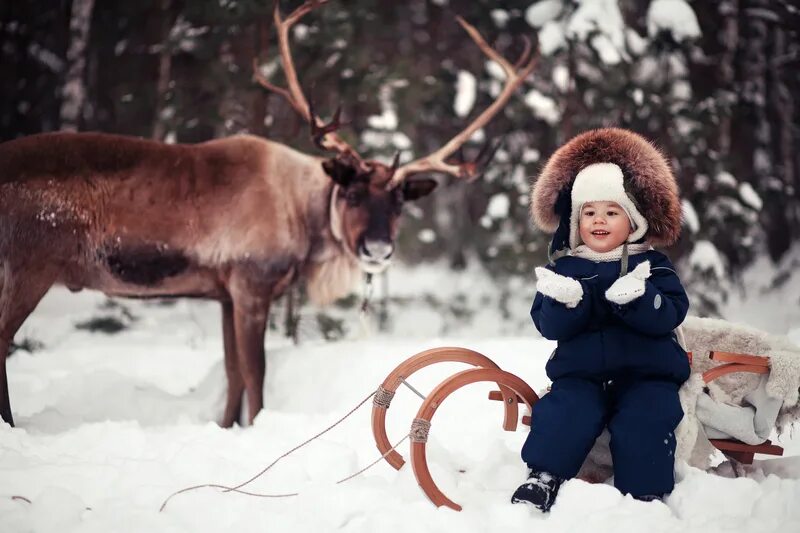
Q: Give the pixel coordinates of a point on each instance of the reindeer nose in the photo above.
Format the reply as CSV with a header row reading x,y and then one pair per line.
x,y
377,249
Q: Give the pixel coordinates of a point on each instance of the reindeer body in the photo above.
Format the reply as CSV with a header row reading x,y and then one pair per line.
x,y
236,220
152,219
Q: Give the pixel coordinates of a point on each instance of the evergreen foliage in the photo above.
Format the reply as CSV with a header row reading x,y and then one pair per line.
x,y
716,90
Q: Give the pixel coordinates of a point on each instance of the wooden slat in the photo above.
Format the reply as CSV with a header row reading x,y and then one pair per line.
x,y
730,357
496,395
766,447
730,368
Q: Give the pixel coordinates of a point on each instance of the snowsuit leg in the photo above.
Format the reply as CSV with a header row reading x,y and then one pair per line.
x,y
642,427
564,426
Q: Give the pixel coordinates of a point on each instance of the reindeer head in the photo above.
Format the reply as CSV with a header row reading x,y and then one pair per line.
x,y
368,195
365,211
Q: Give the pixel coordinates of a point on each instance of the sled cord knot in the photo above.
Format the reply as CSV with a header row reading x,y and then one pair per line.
x,y
383,397
419,430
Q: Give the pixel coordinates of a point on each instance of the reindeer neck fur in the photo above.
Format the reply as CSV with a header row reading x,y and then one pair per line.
x,y
331,270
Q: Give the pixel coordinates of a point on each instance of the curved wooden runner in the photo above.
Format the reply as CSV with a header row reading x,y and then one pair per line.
x,y
419,461
404,370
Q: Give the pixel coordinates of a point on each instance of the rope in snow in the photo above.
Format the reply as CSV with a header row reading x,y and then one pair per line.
x,y
353,410
238,487
376,461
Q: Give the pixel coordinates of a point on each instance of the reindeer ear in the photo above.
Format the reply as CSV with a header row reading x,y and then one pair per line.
x,y
414,189
339,172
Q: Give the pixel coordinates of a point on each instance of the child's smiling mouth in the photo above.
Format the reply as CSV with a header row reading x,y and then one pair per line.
x,y
600,233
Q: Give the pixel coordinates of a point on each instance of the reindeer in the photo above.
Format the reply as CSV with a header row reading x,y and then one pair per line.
x,y
237,220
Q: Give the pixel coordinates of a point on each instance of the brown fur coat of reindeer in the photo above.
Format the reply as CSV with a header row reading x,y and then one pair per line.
x,y
237,220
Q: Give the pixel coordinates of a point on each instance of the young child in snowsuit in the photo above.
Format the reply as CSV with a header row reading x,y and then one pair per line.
x,y
612,303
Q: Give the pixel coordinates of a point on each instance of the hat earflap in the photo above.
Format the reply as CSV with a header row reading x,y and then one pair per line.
x,y
603,182
559,244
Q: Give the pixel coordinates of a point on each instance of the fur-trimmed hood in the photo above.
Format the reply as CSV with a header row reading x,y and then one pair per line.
x,y
646,174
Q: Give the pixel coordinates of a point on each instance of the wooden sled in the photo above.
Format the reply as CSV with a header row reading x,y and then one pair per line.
x,y
513,391
733,362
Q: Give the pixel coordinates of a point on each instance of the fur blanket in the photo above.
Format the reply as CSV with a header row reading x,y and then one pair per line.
x,y
701,336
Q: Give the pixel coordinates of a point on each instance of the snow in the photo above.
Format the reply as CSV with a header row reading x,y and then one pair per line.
x,y
387,120
689,215
466,91
636,43
726,178
770,296
606,49
110,425
551,38
675,16
495,70
542,12
543,106
300,32
498,206
531,155
706,257
561,77
426,235
605,18
500,17
750,196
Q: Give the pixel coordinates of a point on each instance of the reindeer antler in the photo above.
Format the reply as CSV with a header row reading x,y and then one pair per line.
x,y
323,134
515,75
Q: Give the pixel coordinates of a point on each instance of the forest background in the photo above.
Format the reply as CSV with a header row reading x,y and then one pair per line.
x,y
715,84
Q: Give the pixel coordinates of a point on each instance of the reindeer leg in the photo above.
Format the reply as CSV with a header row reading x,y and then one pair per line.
x,y
5,402
233,404
252,287
20,295
250,322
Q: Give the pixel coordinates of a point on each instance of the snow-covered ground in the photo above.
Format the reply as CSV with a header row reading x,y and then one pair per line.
x,y
110,425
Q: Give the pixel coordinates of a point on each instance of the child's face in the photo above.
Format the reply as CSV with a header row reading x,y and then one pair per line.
x,y
603,225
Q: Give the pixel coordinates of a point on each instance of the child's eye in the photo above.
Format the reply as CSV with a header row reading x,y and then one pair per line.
x,y
588,213
612,213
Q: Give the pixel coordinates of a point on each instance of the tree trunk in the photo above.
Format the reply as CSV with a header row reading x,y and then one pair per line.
x,y
782,110
729,39
74,94
164,73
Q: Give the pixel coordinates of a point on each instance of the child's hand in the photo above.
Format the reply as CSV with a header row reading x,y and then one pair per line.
x,y
566,290
630,286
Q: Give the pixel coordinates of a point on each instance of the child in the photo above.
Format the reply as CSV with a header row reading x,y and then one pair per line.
x,y
612,303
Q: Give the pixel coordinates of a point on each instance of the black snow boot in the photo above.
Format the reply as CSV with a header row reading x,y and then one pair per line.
x,y
539,490
649,497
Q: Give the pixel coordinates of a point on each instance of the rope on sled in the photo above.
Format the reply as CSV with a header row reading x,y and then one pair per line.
x,y
383,397
237,488
419,430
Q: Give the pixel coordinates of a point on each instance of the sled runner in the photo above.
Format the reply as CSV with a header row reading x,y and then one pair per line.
x,y
512,392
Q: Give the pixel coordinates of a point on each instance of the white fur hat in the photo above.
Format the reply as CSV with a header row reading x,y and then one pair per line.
x,y
602,182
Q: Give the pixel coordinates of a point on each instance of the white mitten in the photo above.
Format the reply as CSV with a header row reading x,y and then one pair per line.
x,y
630,286
566,290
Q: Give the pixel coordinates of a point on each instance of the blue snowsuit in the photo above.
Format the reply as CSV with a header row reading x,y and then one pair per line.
x,y
618,366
